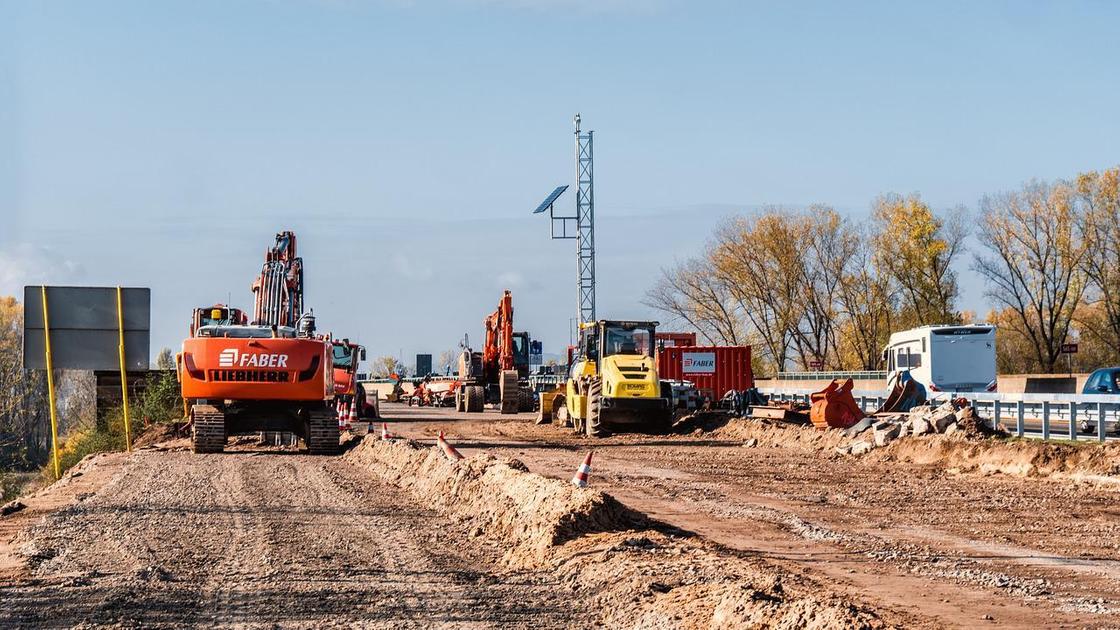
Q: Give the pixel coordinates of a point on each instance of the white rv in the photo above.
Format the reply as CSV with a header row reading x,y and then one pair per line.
x,y
945,358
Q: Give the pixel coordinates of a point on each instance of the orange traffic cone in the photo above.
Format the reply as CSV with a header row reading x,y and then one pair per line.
x,y
583,472
338,408
385,435
352,418
448,450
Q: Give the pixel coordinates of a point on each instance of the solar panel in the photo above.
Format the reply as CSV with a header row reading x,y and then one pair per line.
x,y
551,198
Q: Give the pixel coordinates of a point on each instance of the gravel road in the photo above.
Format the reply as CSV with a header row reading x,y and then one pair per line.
x,y
260,540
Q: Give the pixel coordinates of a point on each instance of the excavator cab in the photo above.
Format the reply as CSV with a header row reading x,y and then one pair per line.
x,y
217,315
521,354
613,380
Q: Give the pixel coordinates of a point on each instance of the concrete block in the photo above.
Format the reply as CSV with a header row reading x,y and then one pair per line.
x,y
920,412
920,426
942,418
860,448
887,435
858,427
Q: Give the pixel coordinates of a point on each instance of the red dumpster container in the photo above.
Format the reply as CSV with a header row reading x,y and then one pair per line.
x,y
716,370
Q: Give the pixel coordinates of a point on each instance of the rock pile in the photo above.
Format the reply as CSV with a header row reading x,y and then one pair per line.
x,y
954,417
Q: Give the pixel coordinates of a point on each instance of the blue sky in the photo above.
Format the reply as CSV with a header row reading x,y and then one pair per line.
x,y
162,144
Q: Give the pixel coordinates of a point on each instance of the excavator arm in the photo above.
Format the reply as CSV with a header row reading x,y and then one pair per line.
x,y
278,290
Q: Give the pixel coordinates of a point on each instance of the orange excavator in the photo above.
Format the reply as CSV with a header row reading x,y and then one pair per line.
x,y
268,374
500,373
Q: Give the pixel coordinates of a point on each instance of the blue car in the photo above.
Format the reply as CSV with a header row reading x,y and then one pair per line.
x,y
1103,381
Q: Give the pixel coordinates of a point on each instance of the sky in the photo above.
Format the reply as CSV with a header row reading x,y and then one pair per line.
x,y
163,144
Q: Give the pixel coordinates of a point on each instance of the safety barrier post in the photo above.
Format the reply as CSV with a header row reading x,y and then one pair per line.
x,y
1046,419
995,413
1072,421
1100,422
1020,411
50,383
124,373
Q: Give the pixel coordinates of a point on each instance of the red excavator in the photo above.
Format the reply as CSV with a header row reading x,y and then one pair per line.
x,y
346,356
500,373
269,374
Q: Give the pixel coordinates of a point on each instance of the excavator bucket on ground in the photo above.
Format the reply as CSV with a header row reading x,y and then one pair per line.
x,y
835,407
904,396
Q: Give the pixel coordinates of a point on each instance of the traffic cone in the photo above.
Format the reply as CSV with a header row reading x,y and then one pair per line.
x,y
338,408
583,472
352,419
448,450
385,435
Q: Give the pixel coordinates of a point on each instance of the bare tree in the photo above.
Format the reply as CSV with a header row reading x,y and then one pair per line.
x,y
1035,262
758,259
691,293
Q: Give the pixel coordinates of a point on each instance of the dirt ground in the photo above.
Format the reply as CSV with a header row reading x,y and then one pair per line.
x,y
170,539
721,525
928,541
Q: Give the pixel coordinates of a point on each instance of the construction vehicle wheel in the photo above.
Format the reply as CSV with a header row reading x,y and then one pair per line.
x,y
474,398
509,392
208,429
594,426
322,433
526,400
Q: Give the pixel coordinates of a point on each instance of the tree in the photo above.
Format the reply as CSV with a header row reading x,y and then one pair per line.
x,y
448,361
24,419
690,292
1035,262
916,250
867,308
1098,198
165,360
830,243
386,366
757,259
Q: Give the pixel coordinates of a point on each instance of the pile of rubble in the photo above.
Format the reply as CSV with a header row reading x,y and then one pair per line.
x,y
953,417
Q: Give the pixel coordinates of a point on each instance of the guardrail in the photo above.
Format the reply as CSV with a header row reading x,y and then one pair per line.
x,y
1044,416
865,375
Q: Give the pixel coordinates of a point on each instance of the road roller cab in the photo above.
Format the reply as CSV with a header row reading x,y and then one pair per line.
x,y
613,382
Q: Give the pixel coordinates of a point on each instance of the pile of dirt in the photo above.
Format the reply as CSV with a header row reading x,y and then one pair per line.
x,y
651,580
527,512
636,572
155,434
766,433
1017,457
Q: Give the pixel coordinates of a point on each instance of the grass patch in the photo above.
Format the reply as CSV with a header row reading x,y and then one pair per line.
x,y
159,403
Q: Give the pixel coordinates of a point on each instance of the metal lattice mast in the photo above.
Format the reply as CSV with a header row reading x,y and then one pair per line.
x,y
585,222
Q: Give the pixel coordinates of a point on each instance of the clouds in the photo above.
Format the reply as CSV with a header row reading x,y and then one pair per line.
x,y
24,264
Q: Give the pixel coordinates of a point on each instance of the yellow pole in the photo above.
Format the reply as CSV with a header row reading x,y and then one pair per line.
x,y
50,383
124,374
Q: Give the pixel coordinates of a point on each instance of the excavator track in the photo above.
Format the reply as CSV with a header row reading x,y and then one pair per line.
x,y
510,392
322,433
208,429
